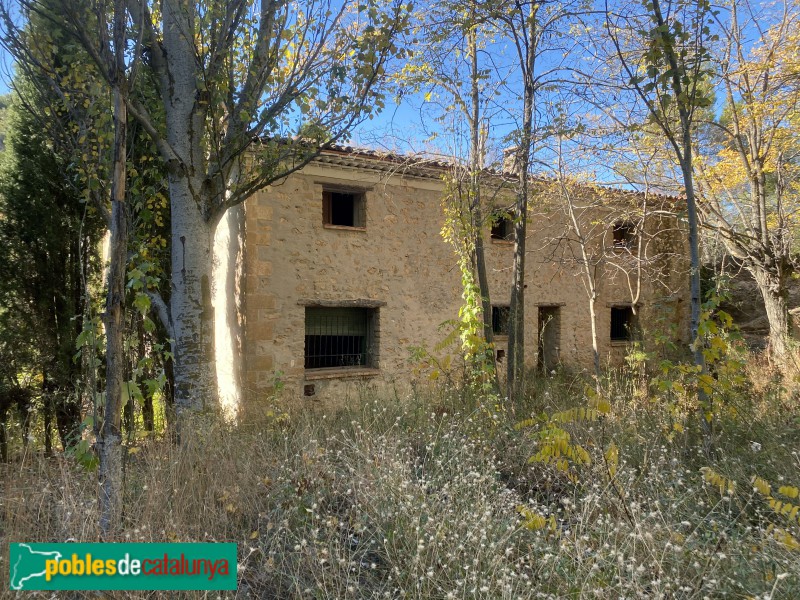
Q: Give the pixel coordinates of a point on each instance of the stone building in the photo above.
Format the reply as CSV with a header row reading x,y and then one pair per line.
x,y
345,269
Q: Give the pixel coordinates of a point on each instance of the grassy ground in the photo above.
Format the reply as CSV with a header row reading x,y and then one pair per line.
x,y
436,498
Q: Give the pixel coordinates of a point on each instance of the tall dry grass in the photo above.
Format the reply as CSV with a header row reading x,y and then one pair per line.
x,y
422,499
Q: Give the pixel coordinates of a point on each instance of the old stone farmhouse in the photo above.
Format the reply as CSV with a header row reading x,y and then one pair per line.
x,y
345,269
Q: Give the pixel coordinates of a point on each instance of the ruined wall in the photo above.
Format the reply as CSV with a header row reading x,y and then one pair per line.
x,y
398,265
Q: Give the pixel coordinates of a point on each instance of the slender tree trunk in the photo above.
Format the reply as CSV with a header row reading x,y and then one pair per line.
x,y
476,166
483,279
694,262
516,327
595,347
773,291
110,437
148,417
47,415
705,403
588,267
3,434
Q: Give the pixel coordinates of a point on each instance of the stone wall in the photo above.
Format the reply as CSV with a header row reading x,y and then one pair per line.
x,y
399,267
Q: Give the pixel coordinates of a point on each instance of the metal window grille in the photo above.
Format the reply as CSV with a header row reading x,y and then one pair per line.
x,y
338,337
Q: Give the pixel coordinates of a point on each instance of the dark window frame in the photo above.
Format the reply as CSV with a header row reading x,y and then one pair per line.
x,y
344,208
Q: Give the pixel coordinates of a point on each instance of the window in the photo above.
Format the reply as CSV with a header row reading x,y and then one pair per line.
x,y
502,226
344,209
340,337
623,324
500,315
624,234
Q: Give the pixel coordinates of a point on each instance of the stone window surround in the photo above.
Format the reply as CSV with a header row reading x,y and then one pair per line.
x,y
347,372
346,188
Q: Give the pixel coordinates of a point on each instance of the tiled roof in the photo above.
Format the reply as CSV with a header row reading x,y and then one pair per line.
x,y
429,167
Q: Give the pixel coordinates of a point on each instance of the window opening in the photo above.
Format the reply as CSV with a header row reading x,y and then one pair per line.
x,y
502,226
500,317
339,337
623,324
624,234
343,209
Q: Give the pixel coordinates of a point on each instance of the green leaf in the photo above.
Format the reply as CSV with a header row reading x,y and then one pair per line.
x,y
142,303
131,390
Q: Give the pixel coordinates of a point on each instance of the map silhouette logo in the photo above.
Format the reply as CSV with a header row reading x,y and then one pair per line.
x,y
27,564
122,566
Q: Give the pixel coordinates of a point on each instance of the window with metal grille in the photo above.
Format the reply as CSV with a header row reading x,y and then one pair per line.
x,y
339,337
344,209
500,315
623,324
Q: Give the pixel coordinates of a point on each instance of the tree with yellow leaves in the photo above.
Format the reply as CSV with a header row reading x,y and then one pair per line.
x,y
749,175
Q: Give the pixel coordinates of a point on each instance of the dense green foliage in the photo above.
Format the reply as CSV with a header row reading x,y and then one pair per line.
x,y
48,257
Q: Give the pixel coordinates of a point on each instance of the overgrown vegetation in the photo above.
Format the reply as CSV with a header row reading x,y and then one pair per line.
x,y
666,478
436,497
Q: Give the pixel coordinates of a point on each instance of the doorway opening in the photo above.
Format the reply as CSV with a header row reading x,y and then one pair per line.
x,y
549,337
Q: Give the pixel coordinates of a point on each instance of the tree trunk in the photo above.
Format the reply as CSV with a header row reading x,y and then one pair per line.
x,y
47,417
476,166
705,403
228,317
516,326
191,307
108,442
595,347
191,310
3,434
773,291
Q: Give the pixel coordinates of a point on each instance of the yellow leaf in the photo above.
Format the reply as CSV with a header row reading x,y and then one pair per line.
x,y
762,486
612,458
